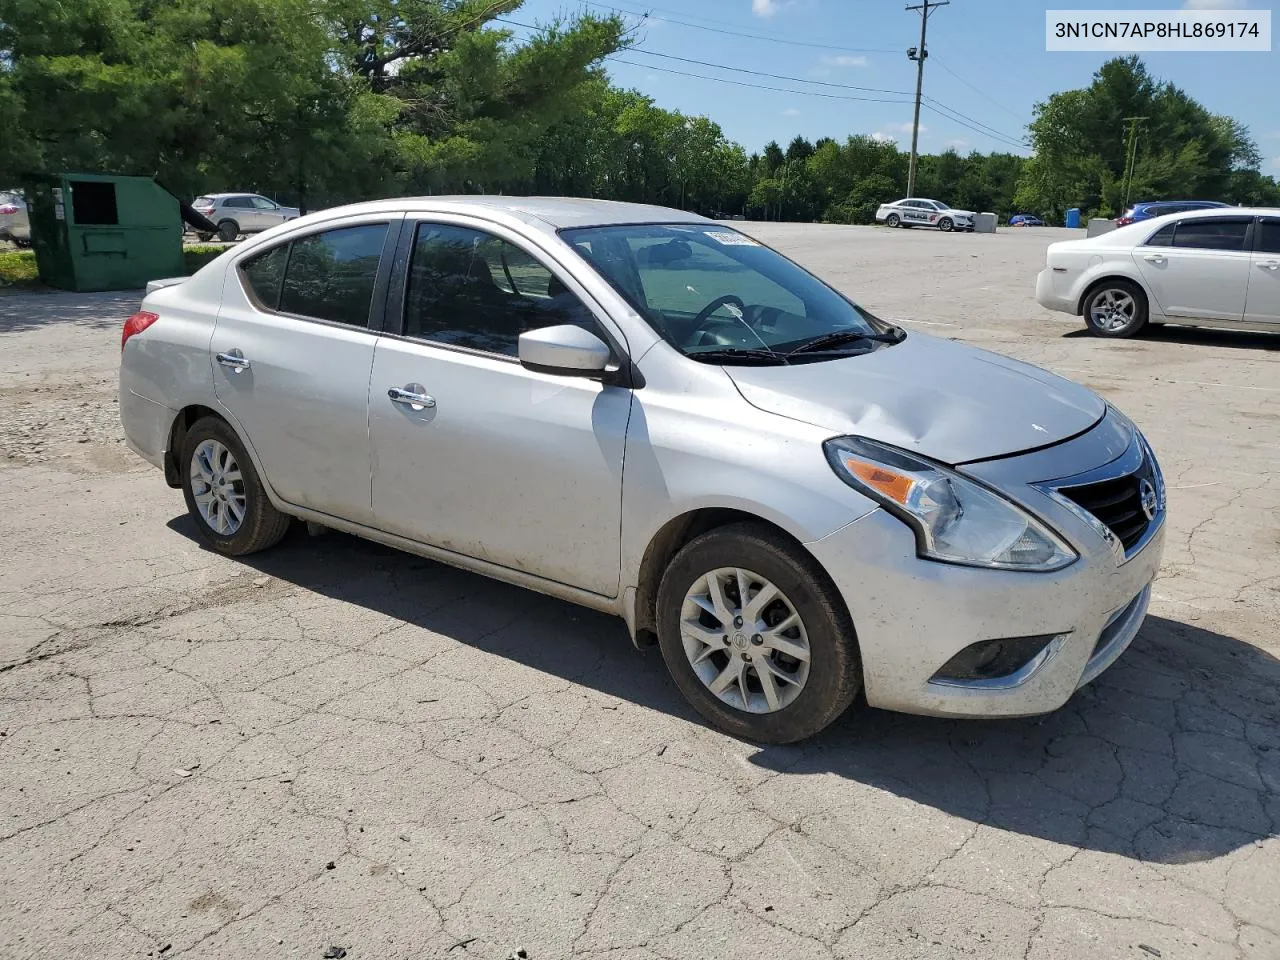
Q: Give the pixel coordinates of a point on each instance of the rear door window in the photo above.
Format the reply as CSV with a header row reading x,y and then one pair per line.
x,y
1269,236
1212,234
331,275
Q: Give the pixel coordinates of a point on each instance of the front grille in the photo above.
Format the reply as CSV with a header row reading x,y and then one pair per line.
x,y
1117,503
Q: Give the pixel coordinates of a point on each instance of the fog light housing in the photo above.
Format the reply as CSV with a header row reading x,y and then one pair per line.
x,y
998,661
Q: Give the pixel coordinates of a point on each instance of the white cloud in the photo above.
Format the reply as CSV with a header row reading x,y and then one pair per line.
x,y
845,60
906,128
764,8
1276,163
1214,4
958,144
882,137
791,112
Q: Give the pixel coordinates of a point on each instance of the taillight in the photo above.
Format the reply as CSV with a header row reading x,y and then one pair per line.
x,y
1124,221
8,210
136,324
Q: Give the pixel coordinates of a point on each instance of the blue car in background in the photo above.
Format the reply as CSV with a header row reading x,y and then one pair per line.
x,y
1025,220
1146,211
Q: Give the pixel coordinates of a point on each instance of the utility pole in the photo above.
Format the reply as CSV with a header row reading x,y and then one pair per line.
x,y
919,55
1132,160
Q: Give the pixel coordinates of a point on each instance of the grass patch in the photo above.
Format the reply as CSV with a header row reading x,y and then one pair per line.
x,y
18,269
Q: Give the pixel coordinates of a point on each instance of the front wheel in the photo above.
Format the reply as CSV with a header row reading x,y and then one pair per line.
x,y
946,225
756,636
1116,309
224,495
893,220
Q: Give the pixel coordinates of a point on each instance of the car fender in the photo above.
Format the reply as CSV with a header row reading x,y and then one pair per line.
x,y
1110,266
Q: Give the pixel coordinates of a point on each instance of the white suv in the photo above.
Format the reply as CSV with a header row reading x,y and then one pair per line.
x,y
237,213
925,213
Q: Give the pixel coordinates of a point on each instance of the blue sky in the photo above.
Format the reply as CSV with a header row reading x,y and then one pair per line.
x,y
987,66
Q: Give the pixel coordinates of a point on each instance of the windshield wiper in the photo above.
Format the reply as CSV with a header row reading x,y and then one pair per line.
x,y
736,354
838,338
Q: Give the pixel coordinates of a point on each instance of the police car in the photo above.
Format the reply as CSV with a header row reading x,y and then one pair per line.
x,y
925,213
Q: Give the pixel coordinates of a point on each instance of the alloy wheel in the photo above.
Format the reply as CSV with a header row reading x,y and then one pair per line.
x,y
218,487
1113,310
745,640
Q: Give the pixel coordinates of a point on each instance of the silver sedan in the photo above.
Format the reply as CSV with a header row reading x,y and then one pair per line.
x,y
652,414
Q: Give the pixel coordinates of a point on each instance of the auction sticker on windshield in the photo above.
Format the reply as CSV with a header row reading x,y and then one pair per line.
x,y
730,239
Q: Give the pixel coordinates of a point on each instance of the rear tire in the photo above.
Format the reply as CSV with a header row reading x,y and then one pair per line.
x,y
893,220
216,486
228,230
1116,309
828,681
204,237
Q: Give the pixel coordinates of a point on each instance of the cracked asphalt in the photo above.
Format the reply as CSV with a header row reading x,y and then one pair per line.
x,y
336,745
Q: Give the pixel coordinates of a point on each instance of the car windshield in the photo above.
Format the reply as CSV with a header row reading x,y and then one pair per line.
x,y
719,296
940,205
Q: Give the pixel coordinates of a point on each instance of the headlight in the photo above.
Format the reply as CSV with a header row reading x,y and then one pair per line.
x,y
955,519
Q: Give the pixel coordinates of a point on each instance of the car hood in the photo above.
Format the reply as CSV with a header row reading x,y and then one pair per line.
x,y
953,210
947,401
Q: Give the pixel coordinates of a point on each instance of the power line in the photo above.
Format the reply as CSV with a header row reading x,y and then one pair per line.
x,y
1007,110
773,76
989,136
754,86
739,33
991,131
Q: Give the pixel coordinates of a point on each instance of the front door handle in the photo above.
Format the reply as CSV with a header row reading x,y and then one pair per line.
x,y
1270,264
1154,258
418,401
235,360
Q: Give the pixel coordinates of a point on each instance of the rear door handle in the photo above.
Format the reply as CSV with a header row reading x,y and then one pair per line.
x,y
235,360
411,399
1154,258
1270,264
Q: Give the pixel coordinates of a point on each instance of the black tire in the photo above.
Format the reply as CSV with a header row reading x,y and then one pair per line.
x,y
835,671
893,220
263,525
1096,298
946,225
228,230
204,237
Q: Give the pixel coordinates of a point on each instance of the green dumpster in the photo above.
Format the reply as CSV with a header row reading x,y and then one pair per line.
x,y
96,232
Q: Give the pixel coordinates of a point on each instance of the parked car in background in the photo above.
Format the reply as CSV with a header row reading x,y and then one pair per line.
x,y
1215,268
918,212
1025,220
1162,208
15,226
237,213
651,414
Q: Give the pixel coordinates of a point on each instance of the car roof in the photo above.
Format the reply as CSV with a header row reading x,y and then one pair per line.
x,y
1221,212
557,212
219,196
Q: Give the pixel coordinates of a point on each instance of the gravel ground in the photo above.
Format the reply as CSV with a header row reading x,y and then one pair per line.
x,y
333,745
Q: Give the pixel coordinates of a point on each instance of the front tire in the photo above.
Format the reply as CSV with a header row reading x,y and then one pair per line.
x,y
1116,309
893,220
224,495
946,225
756,636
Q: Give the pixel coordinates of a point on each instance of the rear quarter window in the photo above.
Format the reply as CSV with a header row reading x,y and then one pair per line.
x,y
263,273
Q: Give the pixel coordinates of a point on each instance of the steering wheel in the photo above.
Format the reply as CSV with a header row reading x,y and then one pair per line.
x,y
705,313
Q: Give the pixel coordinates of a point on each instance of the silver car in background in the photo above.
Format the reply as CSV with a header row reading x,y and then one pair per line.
x,y
15,225
652,414
240,213
919,212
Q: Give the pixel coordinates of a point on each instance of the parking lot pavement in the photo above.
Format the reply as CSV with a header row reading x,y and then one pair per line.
x,y
335,745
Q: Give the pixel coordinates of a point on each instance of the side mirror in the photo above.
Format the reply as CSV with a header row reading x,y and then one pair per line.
x,y
565,350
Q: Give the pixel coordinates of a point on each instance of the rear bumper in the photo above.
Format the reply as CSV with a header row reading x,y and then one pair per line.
x,y
1052,292
146,426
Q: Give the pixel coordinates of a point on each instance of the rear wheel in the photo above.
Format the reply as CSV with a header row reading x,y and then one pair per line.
x,y
893,220
204,237
756,636
224,494
1115,309
228,230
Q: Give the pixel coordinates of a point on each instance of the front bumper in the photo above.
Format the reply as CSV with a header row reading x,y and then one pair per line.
x,y
913,615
